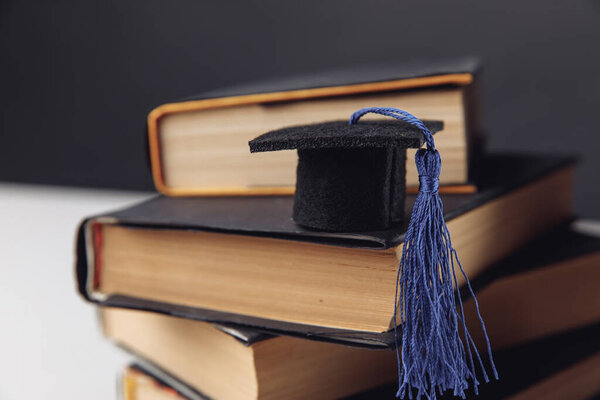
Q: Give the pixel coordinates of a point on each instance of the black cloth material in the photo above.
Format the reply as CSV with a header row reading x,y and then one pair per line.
x,y
350,189
350,178
340,134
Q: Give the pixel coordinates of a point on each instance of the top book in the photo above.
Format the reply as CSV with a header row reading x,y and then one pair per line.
x,y
199,145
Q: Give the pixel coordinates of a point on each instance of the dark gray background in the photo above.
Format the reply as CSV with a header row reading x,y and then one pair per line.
x,y
78,77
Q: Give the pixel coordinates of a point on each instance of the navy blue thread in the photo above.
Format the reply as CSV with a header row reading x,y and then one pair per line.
x,y
428,184
433,354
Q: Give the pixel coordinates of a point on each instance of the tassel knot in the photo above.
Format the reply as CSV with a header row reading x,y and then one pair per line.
x,y
429,165
428,184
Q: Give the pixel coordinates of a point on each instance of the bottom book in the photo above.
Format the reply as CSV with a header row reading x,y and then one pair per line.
x,y
565,366
229,363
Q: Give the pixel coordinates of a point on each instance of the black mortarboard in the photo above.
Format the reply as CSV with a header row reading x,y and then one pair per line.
x,y
349,177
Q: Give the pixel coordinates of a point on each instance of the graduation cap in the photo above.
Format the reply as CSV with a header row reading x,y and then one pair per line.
x,y
351,177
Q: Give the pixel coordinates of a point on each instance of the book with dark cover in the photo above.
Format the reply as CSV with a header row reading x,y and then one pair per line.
x,y
177,167
456,70
224,365
561,250
270,217
521,369
557,245
525,366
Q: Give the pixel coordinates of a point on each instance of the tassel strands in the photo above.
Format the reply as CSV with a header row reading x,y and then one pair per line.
x,y
432,357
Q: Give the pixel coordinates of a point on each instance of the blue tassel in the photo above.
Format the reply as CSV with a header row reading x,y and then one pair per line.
x,y
433,357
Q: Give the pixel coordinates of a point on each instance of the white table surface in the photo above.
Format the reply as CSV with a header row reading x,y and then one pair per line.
x,y
50,342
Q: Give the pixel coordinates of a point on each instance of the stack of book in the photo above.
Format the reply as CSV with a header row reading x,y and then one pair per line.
x,y
219,294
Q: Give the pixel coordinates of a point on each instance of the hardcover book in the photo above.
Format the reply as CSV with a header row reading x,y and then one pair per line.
x,y
546,287
227,363
565,366
559,367
242,261
198,146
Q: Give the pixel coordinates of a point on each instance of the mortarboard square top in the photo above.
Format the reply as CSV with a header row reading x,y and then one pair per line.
x,y
350,177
